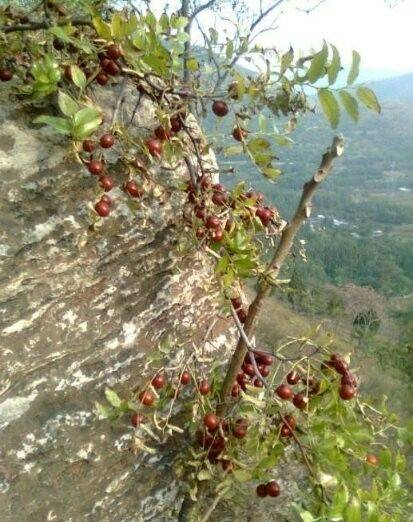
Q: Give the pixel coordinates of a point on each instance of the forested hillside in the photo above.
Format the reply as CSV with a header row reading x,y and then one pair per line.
x,y
366,207
357,248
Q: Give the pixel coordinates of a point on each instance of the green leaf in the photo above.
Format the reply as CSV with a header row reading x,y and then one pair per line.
x,y
229,49
78,76
271,173
192,64
103,412
213,33
334,68
241,475
352,512
339,500
86,115
330,106
67,104
60,124
61,32
372,512
113,398
258,144
351,105
369,99
355,68
305,515
204,474
102,28
318,63
117,26
234,150
286,60
83,131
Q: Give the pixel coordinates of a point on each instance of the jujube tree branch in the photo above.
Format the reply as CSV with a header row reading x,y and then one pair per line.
x,y
286,241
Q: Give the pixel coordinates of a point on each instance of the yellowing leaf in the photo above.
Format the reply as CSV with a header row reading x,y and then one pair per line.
x,y
355,68
334,67
369,99
350,104
318,63
330,106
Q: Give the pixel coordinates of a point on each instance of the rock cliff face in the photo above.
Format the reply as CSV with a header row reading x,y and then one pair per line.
x,y
79,310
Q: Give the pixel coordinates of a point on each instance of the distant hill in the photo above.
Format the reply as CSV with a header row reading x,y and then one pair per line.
x,y
398,88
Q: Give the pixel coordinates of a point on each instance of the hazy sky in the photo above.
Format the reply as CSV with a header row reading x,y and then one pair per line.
x,y
382,35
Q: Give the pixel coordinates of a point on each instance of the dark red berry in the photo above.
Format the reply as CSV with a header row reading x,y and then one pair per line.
x,y
176,124
349,378
200,233
211,421
242,315
219,198
58,44
258,383
147,398
154,146
220,108
95,167
241,379
114,52
293,377
284,392
88,145
110,67
102,78
106,182
217,235
204,387
341,367
285,431
137,419
248,369
261,490
102,208
264,358
235,389
159,381
227,466
290,421
236,302
107,140
264,370
272,489
300,401
185,378
239,134
213,222
347,392
264,215
133,189
162,134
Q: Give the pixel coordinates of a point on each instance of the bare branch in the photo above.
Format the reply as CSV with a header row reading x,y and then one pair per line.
x,y
287,238
201,8
263,14
45,24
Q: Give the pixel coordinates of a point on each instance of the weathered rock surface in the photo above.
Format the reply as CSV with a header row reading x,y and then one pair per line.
x,y
79,310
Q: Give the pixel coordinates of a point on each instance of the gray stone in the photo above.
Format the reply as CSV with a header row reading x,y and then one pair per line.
x,y
80,309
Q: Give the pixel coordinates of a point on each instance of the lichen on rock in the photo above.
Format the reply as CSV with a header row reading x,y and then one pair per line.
x,y
80,309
